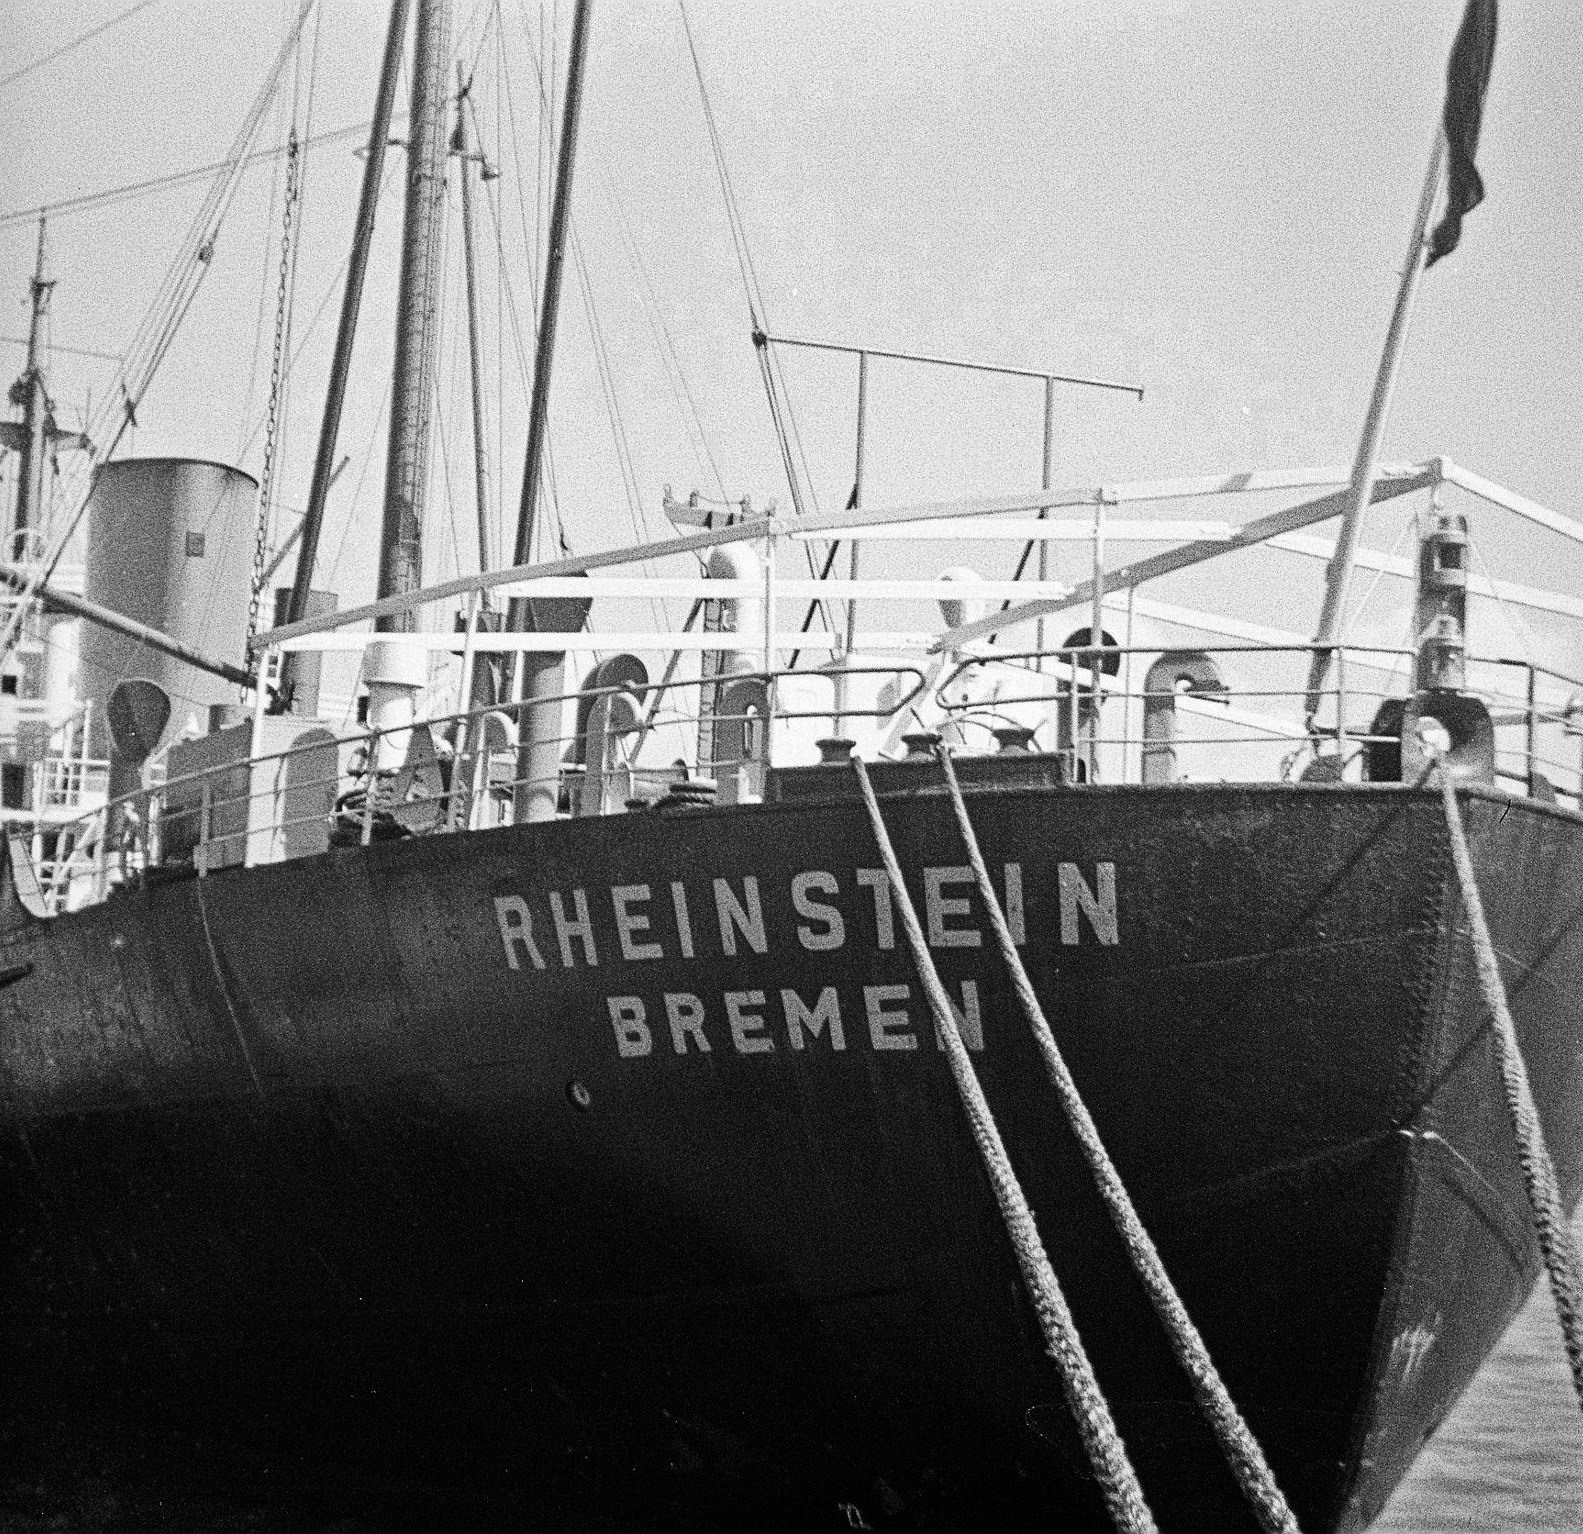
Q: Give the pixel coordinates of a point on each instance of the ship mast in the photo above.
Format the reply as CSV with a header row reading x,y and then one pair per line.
x,y
538,419
30,393
540,677
407,463
395,673
464,155
340,367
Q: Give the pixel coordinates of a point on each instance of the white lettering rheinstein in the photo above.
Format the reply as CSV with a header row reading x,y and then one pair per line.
x,y
1100,909
834,934
581,927
878,880
516,928
684,926
745,916
938,906
630,923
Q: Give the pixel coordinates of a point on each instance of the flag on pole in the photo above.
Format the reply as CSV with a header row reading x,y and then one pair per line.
x,y
1467,78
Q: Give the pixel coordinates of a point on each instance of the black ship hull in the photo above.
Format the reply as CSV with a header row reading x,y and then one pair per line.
x,y
384,1176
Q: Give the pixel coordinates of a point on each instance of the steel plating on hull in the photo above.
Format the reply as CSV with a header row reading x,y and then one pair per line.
x,y
213,1158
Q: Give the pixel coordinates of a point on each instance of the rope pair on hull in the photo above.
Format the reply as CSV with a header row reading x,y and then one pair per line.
x,y
1106,1453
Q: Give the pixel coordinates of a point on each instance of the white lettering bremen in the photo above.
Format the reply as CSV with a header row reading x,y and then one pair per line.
x,y
826,1014
632,1033
747,1024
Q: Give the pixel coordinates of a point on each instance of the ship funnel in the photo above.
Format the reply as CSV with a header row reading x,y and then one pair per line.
x,y
170,544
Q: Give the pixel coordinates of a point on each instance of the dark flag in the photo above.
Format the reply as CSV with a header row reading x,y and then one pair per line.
x,y
1467,78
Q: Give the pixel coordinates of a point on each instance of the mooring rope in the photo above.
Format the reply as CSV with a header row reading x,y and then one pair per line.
x,y
1106,1452
1539,1175
1237,1443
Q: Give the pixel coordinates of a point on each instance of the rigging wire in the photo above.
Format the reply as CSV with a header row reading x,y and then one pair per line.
x,y
162,320
500,305
786,434
258,319
513,315
445,469
618,432
670,358
744,256
277,434
602,364
266,483
182,278
483,35
91,201
380,423
1518,626
336,283
57,346
75,43
441,334
531,243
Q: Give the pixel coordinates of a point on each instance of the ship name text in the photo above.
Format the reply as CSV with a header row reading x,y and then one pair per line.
x,y
640,923
817,911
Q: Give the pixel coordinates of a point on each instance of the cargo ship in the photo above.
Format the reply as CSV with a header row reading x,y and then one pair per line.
x,y
526,1107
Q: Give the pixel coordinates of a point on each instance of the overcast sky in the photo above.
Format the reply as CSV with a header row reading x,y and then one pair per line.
x,y
1209,199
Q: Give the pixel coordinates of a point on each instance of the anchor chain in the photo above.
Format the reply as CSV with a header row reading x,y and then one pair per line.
x,y
266,483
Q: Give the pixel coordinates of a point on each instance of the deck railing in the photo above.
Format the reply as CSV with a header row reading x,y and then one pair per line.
x,y
1225,712
1245,716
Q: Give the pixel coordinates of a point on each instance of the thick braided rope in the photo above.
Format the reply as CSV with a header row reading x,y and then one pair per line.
x,y
1237,1443
1544,1197
1106,1452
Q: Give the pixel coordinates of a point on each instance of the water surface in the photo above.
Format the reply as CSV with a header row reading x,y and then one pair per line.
x,y
1509,1457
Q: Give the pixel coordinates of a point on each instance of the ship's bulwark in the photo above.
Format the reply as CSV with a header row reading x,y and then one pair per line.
x,y
357,1182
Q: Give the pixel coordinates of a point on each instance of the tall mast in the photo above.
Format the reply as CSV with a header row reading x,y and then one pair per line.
x,y
480,461
537,422
1338,575
351,305
407,464
30,393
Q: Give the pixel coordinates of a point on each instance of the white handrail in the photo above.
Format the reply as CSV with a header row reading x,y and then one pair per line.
x,y
860,517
